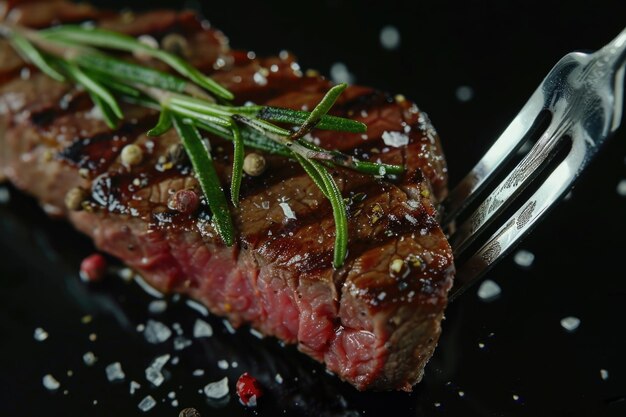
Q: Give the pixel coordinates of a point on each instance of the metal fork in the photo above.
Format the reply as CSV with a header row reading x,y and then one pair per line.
x,y
583,95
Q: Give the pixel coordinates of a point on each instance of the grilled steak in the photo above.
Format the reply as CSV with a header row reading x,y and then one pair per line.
x,y
374,322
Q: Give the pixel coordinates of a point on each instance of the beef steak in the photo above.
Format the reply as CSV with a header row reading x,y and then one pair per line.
x,y
374,322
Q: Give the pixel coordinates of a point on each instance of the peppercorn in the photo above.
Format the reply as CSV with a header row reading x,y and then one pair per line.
x,y
254,164
74,199
148,41
184,201
189,412
93,268
132,155
176,44
248,390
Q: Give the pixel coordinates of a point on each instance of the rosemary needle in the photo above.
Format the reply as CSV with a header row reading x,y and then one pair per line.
x,y
320,110
238,156
297,117
30,53
163,125
202,162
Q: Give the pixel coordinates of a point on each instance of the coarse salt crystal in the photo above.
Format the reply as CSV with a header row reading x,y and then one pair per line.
x,y
198,372
390,37
147,403
570,323
202,329
410,218
89,359
114,372
5,196
259,78
156,332
40,334
157,306
524,258
222,364
126,274
621,188
134,386
340,74
218,389
395,139
50,382
198,307
256,333
25,73
278,378
464,93
489,290
155,377
94,114
153,372
287,210
145,286
181,343
229,327
177,328
604,374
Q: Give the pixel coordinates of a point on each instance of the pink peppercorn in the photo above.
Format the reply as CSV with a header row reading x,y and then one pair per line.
x,y
248,390
93,268
184,201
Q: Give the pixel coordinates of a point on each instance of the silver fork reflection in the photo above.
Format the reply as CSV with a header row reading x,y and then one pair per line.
x,y
583,97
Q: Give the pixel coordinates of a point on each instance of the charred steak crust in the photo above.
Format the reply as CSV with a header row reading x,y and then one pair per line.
x,y
374,322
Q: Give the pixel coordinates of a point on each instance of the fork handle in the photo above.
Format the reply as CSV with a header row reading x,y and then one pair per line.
x,y
614,53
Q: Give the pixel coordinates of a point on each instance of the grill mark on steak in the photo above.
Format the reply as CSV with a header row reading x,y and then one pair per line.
x,y
373,326
96,153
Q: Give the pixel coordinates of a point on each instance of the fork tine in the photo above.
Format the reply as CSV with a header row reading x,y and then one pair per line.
x,y
514,183
520,224
496,157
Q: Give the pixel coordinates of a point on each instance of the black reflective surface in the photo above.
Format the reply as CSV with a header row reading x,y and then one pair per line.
x,y
507,357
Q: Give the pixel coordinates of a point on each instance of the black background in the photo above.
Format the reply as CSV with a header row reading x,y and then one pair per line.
x,y
501,50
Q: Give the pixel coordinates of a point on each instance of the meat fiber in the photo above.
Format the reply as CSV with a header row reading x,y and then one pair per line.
x,y
374,322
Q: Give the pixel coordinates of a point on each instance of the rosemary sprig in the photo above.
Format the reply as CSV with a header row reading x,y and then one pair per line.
x,y
78,54
112,40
